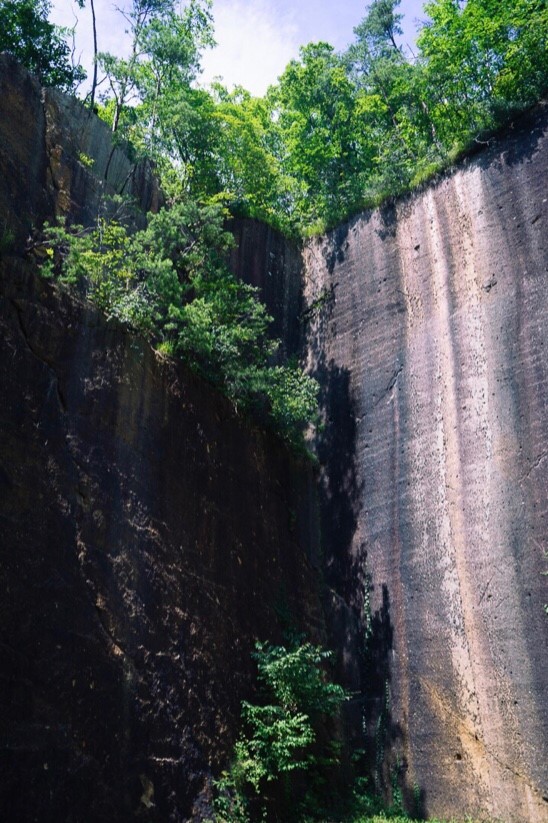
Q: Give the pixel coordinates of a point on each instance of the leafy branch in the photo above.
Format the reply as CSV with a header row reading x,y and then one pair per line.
x,y
280,735
171,282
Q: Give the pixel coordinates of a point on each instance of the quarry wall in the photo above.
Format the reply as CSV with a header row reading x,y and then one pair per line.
x,y
149,534
427,328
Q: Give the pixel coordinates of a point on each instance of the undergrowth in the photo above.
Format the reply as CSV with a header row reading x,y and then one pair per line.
x,y
288,759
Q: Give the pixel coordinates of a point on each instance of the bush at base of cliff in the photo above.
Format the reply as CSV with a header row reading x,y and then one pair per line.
x,y
284,759
282,747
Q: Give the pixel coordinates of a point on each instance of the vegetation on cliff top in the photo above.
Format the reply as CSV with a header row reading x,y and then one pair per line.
x,y
339,131
172,283
336,133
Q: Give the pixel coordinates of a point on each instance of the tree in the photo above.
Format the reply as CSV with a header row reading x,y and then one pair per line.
x,y
281,734
39,45
81,4
390,97
248,168
165,53
376,34
315,107
481,58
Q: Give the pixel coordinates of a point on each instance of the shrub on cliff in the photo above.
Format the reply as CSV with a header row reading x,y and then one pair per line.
x,y
171,282
281,737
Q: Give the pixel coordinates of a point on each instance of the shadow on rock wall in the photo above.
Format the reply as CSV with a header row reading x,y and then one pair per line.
x,y
384,739
340,488
364,640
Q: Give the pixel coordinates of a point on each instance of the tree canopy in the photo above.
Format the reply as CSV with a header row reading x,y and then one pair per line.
x,y
338,132
26,33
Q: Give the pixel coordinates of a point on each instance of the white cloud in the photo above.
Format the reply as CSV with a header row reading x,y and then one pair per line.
x,y
256,38
254,44
255,41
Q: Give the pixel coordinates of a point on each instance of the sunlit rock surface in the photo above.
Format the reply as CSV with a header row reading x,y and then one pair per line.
x,y
427,326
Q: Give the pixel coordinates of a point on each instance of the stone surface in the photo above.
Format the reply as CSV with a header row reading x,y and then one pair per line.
x,y
266,259
148,533
427,327
57,159
148,536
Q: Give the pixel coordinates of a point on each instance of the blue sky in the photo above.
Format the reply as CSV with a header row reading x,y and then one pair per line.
x,y
256,38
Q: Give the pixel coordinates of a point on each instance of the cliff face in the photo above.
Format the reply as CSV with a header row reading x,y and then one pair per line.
x,y
266,259
57,159
148,537
427,329
148,534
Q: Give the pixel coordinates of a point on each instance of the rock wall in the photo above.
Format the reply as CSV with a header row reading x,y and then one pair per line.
x,y
427,327
57,159
148,533
266,259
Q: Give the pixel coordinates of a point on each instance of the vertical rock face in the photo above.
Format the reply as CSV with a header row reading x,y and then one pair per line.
x,y
57,159
148,537
266,259
148,534
427,327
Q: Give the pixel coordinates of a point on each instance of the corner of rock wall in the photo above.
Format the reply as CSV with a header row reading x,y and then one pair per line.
x,y
266,259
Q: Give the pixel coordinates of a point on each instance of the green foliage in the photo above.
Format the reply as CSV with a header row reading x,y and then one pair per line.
x,y
171,282
317,119
295,677
376,34
85,160
99,262
337,133
248,168
482,58
357,128
165,50
279,735
40,46
275,742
